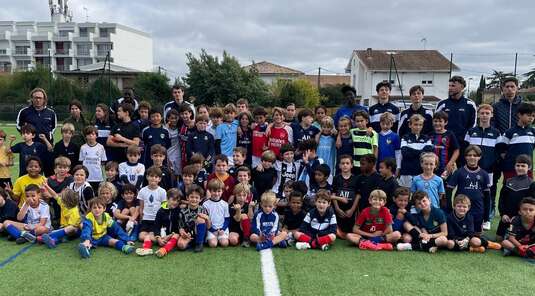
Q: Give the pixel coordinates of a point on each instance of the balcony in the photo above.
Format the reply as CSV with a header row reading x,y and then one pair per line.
x,y
5,52
64,52
84,52
63,38
43,52
42,36
103,53
21,36
22,52
6,35
64,68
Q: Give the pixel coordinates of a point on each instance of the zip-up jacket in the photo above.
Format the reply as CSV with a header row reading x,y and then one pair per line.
x,y
462,115
44,121
486,139
168,219
515,141
505,116
406,115
513,191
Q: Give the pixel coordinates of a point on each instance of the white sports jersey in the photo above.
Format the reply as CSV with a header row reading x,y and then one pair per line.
x,y
218,211
152,201
132,172
34,216
285,172
92,158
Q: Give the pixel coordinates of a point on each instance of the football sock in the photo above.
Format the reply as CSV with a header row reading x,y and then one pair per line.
x,y
170,245
119,245
246,228
57,235
201,233
325,240
147,244
304,238
13,231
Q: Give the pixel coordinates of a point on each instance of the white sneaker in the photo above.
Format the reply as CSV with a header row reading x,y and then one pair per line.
x,y
144,252
302,246
404,247
486,225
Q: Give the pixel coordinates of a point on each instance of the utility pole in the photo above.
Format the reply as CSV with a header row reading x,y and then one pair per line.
x,y
516,60
451,63
319,77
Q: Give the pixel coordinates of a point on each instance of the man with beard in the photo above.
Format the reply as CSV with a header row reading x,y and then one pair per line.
x,y
350,105
178,100
128,97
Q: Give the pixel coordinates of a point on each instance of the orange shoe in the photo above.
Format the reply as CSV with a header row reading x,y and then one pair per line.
x,y
385,246
477,249
161,253
494,246
368,245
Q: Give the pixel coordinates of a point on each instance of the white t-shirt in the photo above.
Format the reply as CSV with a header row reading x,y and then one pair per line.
x,y
218,211
34,216
92,158
132,172
152,201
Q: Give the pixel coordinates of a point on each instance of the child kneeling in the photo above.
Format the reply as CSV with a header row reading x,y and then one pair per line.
x,y
373,228
265,226
318,230
520,238
98,228
70,219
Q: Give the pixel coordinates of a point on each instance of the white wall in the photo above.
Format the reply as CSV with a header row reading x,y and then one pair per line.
x,y
132,50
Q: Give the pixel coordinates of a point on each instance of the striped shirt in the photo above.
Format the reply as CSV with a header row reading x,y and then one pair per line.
x,y
362,144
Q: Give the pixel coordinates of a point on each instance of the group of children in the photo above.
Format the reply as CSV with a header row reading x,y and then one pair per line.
x,y
217,177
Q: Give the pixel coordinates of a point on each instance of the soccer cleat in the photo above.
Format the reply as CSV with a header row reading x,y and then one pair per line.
x,y
302,246
433,250
28,236
199,247
530,252
494,246
404,247
368,245
477,249
39,239
486,225
161,253
84,251
385,246
20,240
264,245
48,241
325,247
127,249
246,244
283,244
506,252
144,252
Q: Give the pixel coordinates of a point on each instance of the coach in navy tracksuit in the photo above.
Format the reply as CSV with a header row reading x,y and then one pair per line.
x,y
178,100
39,115
462,112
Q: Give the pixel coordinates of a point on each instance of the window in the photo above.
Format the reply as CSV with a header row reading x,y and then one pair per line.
x,y
64,33
427,79
21,49
104,33
83,62
84,32
22,64
83,49
3,51
103,49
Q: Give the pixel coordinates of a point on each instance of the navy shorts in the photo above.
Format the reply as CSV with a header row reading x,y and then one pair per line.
x,y
478,221
146,226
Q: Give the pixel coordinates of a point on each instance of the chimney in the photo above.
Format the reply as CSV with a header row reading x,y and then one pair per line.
x,y
369,51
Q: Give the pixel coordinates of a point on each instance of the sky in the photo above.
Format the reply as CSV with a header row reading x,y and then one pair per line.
x,y
482,35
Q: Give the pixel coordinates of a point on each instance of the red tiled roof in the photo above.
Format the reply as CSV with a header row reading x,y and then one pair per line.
x,y
405,60
270,68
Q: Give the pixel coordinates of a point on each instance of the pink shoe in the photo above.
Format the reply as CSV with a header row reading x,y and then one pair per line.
x,y
368,245
385,246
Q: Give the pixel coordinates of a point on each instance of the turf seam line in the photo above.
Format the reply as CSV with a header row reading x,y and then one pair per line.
x,y
13,257
269,274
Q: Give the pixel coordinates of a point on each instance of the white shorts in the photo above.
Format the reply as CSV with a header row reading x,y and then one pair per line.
x,y
405,181
210,235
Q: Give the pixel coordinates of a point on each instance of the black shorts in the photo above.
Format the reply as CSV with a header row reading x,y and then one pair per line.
x,y
346,224
146,226
502,228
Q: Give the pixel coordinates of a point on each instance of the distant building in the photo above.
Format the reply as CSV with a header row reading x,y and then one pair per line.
x,y
122,77
326,80
428,68
270,72
66,46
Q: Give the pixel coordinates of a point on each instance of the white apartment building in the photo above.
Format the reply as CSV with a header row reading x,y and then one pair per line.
x,y
66,46
428,68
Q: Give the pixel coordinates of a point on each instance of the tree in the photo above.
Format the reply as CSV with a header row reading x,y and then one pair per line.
x,y
530,79
212,81
300,92
496,78
100,91
478,99
332,95
152,87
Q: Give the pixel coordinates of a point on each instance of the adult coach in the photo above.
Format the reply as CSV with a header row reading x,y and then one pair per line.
x,y
462,112
178,99
505,115
350,106
38,114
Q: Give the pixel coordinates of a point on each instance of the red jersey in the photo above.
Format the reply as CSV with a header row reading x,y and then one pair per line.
x,y
229,182
260,139
279,136
372,223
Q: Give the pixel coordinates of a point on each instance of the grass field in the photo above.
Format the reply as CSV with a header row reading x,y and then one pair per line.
x,y
343,270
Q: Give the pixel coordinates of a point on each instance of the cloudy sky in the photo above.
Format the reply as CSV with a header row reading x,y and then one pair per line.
x,y
305,35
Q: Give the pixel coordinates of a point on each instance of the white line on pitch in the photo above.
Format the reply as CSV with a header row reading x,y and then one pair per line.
x,y
269,274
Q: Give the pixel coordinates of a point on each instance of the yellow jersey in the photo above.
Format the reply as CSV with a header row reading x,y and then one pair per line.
x,y
69,217
21,183
99,230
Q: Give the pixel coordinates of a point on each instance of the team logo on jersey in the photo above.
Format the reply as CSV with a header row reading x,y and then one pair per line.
x,y
478,177
461,109
474,134
515,135
162,136
435,223
444,141
151,198
388,141
206,138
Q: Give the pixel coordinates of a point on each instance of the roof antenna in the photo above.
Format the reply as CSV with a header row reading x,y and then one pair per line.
x,y
86,14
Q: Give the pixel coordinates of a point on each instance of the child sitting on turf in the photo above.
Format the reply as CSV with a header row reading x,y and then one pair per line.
x,y
166,225
520,237
413,145
293,215
150,198
345,186
82,187
473,182
373,228
461,235
6,161
221,174
132,171
432,184
157,155
388,183
425,226
218,211
513,191
194,221
99,229
35,217
70,221
8,209
400,208
265,175
265,226
34,167
127,211
318,230
241,213
92,156
107,191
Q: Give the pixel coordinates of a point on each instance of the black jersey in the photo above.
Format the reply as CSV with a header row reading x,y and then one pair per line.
x,y
345,188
